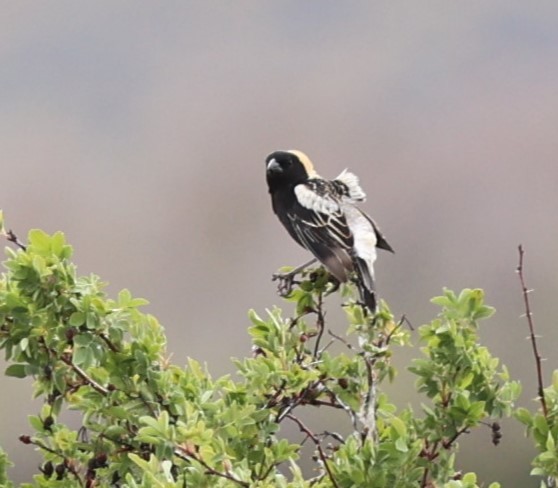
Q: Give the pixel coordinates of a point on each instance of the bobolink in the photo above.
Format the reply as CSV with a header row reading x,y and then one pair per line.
x,y
322,217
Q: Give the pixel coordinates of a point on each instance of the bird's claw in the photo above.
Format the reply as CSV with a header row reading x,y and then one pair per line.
x,y
286,283
335,284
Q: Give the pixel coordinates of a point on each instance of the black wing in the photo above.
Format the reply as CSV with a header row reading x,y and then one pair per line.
x,y
381,241
326,236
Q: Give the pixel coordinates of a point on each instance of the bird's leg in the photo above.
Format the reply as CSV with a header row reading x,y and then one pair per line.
x,y
335,284
286,280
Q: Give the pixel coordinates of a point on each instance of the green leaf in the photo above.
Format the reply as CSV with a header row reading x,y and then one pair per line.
x,y
550,444
39,242
401,445
59,246
83,356
36,422
16,371
441,301
483,312
4,465
470,478
255,318
524,416
24,343
77,319
124,298
541,424
399,426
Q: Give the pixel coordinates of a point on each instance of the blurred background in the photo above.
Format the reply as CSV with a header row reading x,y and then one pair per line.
x,y
141,132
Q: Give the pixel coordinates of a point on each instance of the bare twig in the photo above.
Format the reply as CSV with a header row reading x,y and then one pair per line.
x,y
187,456
350,412
108,342
288,409
368,411
367,415
429,455
298,400
405,320
322,403
84,376
424,480
402,320
147,404
432,453
11,237
320,322
66,359
69,465
314,438
334,435
447,444
529,315
340,339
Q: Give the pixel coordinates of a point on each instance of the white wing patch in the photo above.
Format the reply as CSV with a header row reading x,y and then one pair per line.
x,y
351,181
363,234
309,199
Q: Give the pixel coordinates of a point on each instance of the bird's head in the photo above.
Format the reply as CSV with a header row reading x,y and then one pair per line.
x,y
288,167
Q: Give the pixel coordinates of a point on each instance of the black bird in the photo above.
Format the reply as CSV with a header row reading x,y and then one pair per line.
x,y
322,216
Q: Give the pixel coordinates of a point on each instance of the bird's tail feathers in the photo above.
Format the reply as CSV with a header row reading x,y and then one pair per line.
x,y
365,284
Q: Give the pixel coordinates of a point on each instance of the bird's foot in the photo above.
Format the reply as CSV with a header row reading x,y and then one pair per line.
x,y
335,284
286,281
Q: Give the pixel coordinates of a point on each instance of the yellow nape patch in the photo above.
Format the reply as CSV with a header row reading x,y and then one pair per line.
x,y
305,160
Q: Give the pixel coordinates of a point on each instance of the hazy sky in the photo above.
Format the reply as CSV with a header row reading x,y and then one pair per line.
x,y
140,130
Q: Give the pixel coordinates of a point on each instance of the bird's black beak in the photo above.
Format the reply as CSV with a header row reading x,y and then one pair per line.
x,y
274,167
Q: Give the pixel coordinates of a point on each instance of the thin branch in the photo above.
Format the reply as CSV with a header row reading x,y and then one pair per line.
x,y
267,472
529,315
83,375
408,322
108,342
350,412
297,400
318,445
323,403
368,412
147,404
66,359
178,452
424,481
326,347
288,409
11,237
340,339
402,320
447,444
273,399
433,454
67,462
334,435
320,322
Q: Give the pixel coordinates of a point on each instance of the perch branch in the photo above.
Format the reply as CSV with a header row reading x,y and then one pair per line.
x,y
533,337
